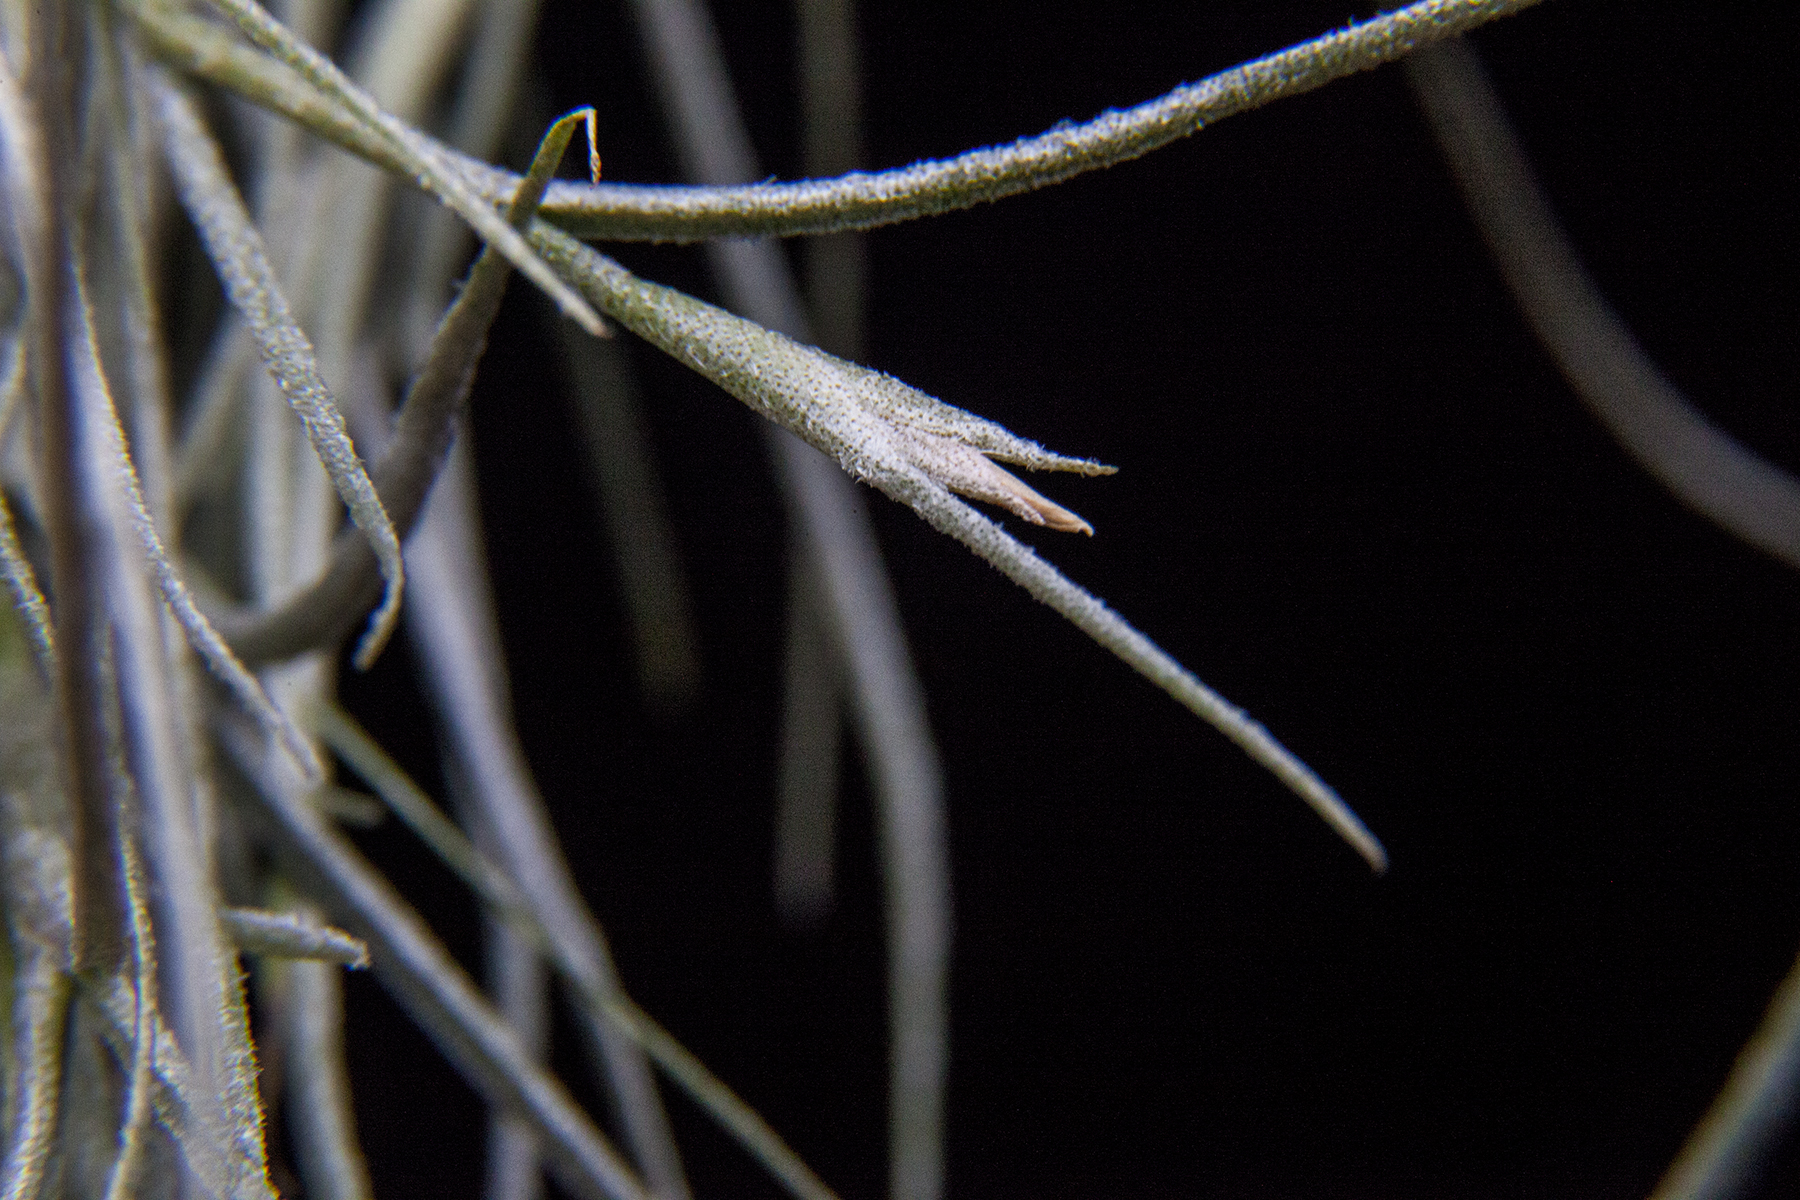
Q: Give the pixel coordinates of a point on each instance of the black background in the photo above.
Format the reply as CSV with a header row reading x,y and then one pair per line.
x,y
1354,496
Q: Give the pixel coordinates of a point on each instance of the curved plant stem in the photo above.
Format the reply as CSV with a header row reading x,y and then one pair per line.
x,y
834,266
614,432
457,639
519,983
27,598
122,1182
497,891
807,390
433,988
237,250
1704,466
297,935
858,609
622,212
424,161
320,1112
421,437
1741,1127
201,974
806,780
42,990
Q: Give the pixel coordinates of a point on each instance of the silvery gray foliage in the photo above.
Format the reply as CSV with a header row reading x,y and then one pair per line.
x,y
122,775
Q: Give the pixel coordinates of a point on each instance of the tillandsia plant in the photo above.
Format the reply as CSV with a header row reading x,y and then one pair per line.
x,y
189,545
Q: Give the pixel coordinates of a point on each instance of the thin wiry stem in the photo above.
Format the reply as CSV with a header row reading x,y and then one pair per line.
x,y
498,58
401,50
40,916
857,606
134,1129
251,283
217,1168
201,973
350,742
424,161
199,630
457,640
421,437
127,144
1738,1131
319,1108
1703,465
19,149
236,249
503,899
434,990
1021,564
623,212
39,910
860,201
519,981
42,989
516,973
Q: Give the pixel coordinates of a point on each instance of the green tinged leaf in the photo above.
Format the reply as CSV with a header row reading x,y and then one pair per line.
x,y
237,250
918,450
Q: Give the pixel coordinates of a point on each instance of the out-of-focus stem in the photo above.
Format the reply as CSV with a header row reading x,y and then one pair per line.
x,y
806,778
1704,466
610,416
1719,1160
860,612
455,635
833,265
518,979
319,1109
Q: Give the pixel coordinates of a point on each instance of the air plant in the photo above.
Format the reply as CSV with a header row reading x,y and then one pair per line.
x,y
183,575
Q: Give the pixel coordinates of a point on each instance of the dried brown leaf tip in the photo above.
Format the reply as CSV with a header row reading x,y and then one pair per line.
x,y
968,472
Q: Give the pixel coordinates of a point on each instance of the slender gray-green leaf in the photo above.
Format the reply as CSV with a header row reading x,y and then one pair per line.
x,y
852,413
320,1109
498,60
806,781
173,1099
829,523
200,973
350,742
458,645
606,1004
40,911
425,162
428,983
236,249
1743,1126
24,189
862,201
858,200
110,442
134,1129
292,935
421,436
614,432
27,598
